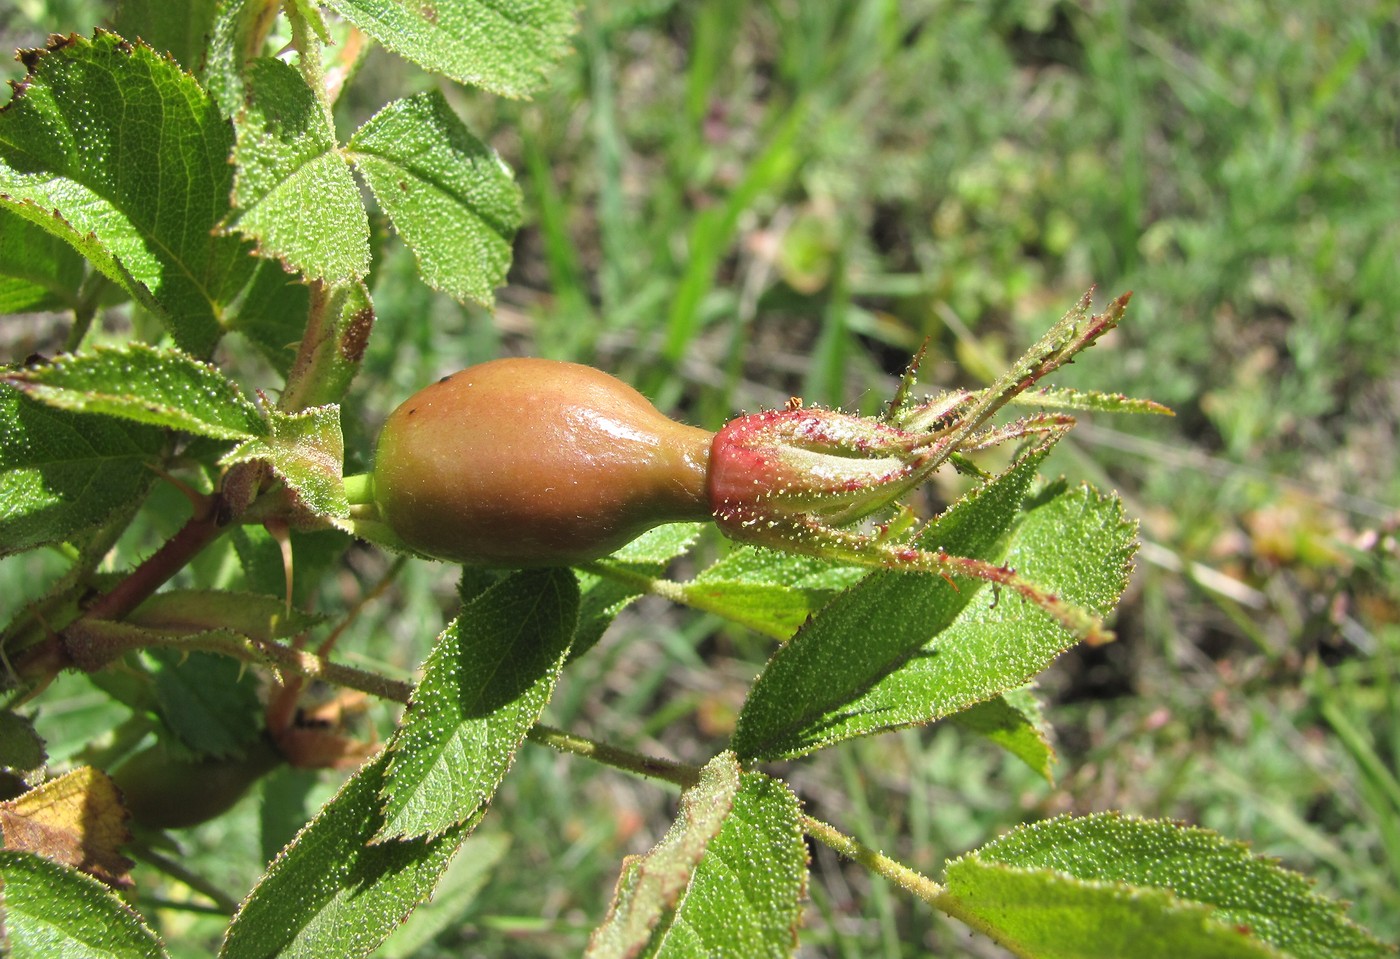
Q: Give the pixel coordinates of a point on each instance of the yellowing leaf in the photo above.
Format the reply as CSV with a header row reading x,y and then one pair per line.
x,y
76,819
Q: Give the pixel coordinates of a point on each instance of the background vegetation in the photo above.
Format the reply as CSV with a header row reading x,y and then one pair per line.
x,y
732,202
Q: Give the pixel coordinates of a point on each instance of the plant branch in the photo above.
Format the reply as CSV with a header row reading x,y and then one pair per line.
x,y
909,880
308,47
225,904
682,774
877,862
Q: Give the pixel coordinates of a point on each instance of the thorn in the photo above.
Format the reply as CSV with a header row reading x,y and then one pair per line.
x,y
280,533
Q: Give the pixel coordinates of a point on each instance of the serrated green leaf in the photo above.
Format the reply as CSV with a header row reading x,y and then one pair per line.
x,y
1014,722
451,198
255,615
115,150
159,386
94,231
293,192
744,900
650,886
307,451
1112,885
484,685
50,910
453,898
804,698
768,591
505,49
209,702
38,271
1072,542
333,892
618,580
64,472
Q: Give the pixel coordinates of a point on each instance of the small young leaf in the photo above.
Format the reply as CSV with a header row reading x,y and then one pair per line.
x,y
333,892
116,151
38,271
745,898
1111,885
1013,721
805,693
51,911
603,596
450,197
651,886
484,685
293,191
63,472
502,49
209,702
307,451
76,819
162,387
771,592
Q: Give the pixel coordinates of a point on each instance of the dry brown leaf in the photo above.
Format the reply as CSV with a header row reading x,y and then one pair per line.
x,y
77,820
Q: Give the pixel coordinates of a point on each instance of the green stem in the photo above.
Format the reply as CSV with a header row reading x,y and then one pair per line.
x,y
225,904
677,593
308,47
877,862
917,883
359,489
89,293
682,774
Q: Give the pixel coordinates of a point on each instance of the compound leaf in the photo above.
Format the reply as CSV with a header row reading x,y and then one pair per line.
x,y
804,697
293,192
1074,543
117,151
451,198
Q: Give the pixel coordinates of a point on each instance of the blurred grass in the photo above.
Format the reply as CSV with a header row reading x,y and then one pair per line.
x,y
730,203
